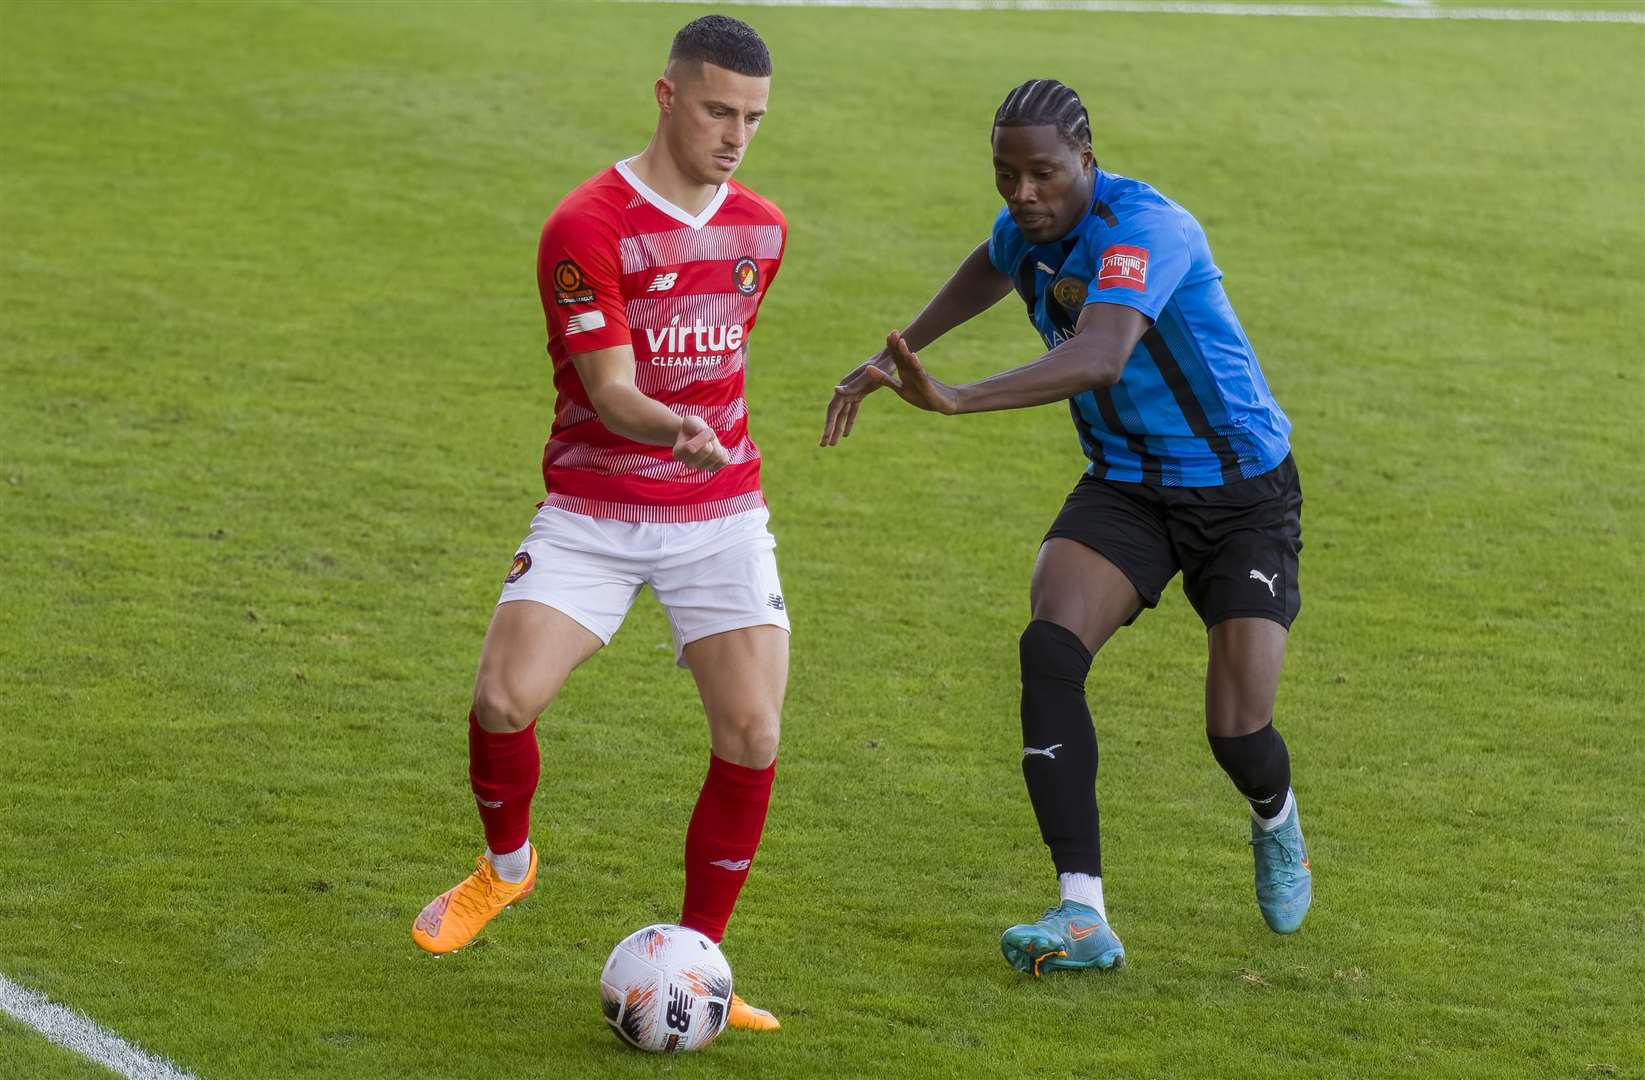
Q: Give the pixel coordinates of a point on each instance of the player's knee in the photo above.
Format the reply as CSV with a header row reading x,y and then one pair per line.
x,y
1229,720
498,707
1049,651
747,737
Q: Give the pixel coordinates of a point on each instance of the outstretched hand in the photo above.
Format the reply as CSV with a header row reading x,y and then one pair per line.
x,y
842,408
912,383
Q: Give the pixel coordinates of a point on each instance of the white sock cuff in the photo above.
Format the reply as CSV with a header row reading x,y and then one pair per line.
x,y
1269,824
512,866
1083,889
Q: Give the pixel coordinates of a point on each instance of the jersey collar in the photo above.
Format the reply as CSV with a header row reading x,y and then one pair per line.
x,y
644,191
1097,187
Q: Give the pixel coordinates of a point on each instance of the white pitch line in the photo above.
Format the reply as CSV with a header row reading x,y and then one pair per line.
x,y
1393,10
75,1032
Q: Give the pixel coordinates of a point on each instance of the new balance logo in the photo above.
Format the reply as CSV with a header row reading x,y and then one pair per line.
x,y
1268,581
1042,266
430,918
488,804
662,282
678,1016
1047,752
735,867
775,600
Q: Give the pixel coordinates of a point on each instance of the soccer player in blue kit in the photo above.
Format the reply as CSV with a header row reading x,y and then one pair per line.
x,y
1189,469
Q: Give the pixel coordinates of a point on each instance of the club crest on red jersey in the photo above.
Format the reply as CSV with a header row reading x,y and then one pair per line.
x,y
522,563
1124,267
746,274
569,287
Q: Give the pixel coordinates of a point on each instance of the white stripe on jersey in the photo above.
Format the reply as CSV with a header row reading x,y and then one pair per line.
x,y
594,459
711,243
587,320
655,380
574,414
718,417
689,309
680,473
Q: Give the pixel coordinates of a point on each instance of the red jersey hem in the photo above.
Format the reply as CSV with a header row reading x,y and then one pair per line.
x,y
651,512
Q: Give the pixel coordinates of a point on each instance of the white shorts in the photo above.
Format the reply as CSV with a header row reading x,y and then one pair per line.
x,y
710,576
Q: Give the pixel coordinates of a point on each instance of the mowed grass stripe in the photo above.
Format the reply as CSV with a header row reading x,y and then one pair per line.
x,y
1618,12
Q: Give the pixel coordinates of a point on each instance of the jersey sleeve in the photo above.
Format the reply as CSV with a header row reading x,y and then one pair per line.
x,y
1006,244
580,280
782,250
1141,263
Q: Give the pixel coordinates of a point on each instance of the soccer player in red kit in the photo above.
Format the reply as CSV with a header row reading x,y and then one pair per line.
x,y
651,275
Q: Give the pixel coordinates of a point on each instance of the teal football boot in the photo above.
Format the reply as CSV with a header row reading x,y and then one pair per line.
x,y
1070,936
1285,886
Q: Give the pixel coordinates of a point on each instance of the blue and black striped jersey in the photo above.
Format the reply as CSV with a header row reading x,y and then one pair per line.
x,y
1192,408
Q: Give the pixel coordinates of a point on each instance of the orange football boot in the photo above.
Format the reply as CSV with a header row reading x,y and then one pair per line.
x,y
453,918
745,1016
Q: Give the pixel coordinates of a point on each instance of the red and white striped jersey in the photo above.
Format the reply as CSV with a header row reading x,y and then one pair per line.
x,y
619,264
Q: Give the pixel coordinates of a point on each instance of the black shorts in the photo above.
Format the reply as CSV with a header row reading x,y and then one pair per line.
x,y
1236,545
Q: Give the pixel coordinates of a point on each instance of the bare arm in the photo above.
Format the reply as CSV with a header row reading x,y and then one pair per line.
x,y
973,288
608,377
1090,360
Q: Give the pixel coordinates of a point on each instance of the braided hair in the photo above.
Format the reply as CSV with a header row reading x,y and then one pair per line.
x,y
1047,102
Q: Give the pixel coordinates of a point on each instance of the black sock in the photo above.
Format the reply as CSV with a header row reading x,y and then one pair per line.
x,y
1059,746
1259,765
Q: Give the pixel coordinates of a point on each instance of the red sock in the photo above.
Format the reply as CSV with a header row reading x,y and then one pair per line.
x,y
720,843
503,768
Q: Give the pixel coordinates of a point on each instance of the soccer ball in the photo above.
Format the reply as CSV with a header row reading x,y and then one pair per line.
x,y
666,989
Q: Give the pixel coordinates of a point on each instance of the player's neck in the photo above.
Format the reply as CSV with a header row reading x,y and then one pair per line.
x,y
659,173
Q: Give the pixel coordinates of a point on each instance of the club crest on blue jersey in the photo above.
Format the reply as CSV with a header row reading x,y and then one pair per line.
x,y
1070,293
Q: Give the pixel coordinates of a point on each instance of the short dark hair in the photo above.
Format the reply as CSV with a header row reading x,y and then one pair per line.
x,y
1046,101
724,42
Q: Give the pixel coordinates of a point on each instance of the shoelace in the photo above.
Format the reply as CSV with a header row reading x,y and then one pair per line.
x,y
1050,911
1290,848
478,905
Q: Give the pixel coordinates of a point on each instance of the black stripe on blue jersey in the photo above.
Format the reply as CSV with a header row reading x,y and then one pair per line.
x,y
1101,209
1185,347
1152,471
1062,321
1088,440
1187,401
1025,282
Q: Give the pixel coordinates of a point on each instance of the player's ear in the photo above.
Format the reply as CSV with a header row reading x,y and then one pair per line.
x,y
665,95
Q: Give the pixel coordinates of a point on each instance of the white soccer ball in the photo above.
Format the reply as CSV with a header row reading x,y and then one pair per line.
x,y
665,989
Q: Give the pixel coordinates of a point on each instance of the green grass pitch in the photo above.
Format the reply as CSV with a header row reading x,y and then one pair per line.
x,y
272,398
